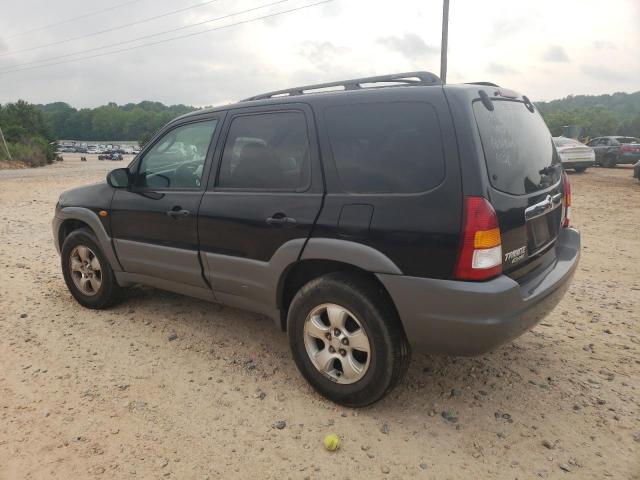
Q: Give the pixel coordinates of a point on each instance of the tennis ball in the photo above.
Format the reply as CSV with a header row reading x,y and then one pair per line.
x,y
331,442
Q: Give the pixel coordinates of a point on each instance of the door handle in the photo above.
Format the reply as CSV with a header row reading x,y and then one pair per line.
x,y
177,212
281,219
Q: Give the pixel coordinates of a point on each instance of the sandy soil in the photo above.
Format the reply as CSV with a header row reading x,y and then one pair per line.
x,y
87,394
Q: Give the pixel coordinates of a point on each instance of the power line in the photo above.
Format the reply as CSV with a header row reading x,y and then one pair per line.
x,y
144,37
172,38
69,20
100,32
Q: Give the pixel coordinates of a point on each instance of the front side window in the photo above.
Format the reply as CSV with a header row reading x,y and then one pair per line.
x,y
393,147
177,159
267,151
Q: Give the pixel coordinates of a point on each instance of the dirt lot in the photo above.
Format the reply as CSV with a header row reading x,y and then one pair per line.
x,y
87,394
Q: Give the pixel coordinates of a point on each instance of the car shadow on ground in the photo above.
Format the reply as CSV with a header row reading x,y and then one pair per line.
x,y
434,384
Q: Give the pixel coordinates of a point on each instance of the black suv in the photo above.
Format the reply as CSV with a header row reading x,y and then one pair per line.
x,y
397,213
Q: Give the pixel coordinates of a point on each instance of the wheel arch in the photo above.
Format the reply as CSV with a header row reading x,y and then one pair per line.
x,y
70,219
303,271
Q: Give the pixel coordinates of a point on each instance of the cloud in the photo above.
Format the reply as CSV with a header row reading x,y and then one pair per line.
x,y
500,69
323,55
410,45
501,29
603,73
3,45
556,53
604,45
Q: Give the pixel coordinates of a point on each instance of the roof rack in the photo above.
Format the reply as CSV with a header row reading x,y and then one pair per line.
x,y
406,79
486,84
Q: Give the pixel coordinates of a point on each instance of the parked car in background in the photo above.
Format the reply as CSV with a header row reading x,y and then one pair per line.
x,y
573,154
110,156
365,222
611,150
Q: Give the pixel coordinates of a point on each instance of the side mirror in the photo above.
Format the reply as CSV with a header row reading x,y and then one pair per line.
x,y
119,178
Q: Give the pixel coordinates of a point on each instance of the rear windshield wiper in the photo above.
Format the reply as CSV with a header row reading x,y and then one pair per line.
x,y
550,169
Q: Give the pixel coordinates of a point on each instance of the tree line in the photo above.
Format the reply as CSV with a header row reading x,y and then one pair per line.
x,y
598,115
30,129
27,136
133,122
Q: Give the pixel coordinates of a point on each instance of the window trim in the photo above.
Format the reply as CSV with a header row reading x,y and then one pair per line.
x,y
158,138
386,194
217,188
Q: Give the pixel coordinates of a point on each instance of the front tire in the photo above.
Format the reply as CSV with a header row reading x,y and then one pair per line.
x,y
87,272
347,339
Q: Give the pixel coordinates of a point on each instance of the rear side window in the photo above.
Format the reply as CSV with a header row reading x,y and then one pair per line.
x,y
391,147
267,151
518,148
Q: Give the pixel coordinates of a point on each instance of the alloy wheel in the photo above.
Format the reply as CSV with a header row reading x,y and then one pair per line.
x,y
336,343
86,271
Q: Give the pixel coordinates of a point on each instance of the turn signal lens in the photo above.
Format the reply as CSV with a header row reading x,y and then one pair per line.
x,y
487,238
480,255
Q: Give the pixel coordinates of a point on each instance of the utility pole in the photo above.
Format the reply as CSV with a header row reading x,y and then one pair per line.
x,y
5,144
445,41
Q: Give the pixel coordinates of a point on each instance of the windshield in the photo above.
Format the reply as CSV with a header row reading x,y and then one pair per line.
x,y
518,148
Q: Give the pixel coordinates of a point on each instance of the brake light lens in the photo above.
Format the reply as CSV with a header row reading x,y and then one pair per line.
x,y
480,255
566,187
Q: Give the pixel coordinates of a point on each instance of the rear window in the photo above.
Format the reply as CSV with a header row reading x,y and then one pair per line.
x,y
565,142
627,140
393,147
517,146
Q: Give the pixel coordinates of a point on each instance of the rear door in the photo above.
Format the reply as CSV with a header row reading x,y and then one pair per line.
x,y
261,202
524,173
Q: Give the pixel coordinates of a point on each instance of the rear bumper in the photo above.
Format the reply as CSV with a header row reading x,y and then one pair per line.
x,y
578,163
470,318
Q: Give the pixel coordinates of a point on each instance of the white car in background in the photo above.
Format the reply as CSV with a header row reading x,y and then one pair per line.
x,y
574,155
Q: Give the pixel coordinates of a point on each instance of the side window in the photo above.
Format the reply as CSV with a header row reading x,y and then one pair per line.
x,y
177,159
391,147
267,151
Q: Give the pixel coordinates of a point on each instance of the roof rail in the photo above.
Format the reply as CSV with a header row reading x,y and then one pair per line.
x,y
408,78
486,84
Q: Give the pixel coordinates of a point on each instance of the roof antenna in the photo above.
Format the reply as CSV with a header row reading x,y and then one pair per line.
x,y
445,41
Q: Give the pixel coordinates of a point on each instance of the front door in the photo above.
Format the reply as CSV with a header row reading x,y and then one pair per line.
x,y
261,203
154,223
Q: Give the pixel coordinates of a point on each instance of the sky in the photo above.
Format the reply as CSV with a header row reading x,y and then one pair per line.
x,y
546,49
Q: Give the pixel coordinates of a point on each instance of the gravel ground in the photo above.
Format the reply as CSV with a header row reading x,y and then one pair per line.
x,y
163,386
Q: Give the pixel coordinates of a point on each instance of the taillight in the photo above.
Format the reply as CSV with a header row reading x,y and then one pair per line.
x,y
480,255
566,187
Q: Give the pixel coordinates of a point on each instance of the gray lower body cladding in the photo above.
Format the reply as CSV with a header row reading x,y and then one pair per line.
x,y
470,318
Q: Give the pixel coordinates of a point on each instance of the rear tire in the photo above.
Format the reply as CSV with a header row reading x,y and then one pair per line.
x,y
580,169
610,161
368,308
87,272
